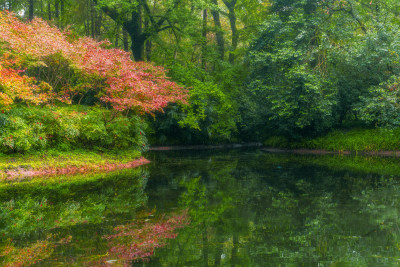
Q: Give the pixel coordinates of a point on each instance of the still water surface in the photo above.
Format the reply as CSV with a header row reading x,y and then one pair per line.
x,y
207,208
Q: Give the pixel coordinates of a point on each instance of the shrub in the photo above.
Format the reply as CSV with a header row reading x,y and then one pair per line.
x,y
25,129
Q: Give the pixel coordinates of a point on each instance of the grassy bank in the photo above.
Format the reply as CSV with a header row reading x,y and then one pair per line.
x,y
345,140
57,162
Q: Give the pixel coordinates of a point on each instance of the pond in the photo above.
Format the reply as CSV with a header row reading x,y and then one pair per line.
x,y
239,207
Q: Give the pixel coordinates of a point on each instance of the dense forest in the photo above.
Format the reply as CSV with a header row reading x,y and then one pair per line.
x,y
110,74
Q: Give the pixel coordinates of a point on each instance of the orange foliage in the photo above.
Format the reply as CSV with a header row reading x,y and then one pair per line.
x,y
13,85
128,84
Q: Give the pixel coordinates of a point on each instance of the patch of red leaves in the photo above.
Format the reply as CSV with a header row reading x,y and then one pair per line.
x,y
108,167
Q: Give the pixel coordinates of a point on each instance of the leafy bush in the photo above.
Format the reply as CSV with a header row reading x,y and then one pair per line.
x,y
276,141
210,116
357,140
25,129
382,107
19,135
289,89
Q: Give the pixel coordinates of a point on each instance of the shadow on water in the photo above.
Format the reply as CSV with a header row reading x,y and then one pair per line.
x,y
241,207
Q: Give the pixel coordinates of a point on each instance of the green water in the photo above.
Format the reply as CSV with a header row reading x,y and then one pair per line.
x,y
207,208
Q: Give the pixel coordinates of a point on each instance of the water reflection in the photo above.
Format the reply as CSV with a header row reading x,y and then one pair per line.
x,y
81,220
209,208
258,209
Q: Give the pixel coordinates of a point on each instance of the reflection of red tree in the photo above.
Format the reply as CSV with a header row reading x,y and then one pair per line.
x,y
137,241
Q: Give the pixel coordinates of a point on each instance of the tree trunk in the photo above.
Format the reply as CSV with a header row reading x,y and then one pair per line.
x,y
235,35
56,10
31,9
87,17
138,39
148,43
125,40
205,247
49,10
62,9
218,32
133,26
99,20
148,50
234,249
41,9
8,5
117,30
137,47
92,18
204,41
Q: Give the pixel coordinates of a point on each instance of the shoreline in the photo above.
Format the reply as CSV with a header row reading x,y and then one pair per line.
x,y
300,151
51,163
10,175
80,162
327,152
194,147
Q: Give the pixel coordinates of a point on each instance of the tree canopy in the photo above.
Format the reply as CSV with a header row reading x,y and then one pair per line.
x,y
246,69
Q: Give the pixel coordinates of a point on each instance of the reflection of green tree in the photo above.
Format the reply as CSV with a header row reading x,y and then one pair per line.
x,y
219,220
83,207
260,209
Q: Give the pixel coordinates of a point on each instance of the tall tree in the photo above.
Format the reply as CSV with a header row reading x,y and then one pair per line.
x,y
131,14
230,4
204,41
219,34
31,9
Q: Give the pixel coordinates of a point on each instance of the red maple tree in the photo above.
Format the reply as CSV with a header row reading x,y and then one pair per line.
x,y
127,84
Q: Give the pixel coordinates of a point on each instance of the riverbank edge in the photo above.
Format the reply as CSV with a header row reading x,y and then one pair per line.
x,y
355,141
327,152
201,147
14,167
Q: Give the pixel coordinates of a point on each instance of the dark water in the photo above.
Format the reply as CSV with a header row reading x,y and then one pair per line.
x,y
209,208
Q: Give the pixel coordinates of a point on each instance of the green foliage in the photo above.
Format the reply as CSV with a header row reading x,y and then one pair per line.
x,y
286,85
358,70
26,129
18,135
382,108
211,110
317,66
356,140
276,141
211,114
